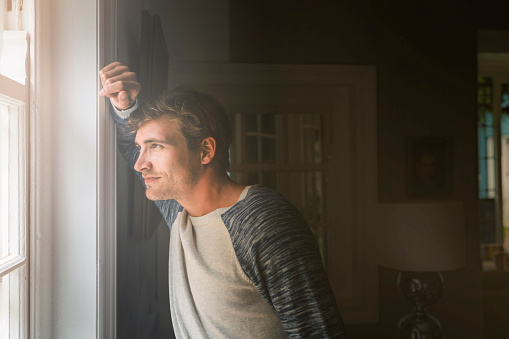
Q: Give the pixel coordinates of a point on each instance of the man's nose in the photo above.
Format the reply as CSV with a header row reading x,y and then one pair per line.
x,y
142,163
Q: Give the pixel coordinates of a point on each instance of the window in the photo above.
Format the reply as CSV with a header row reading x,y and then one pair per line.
x,y
493,152
13,221
13,179
285,152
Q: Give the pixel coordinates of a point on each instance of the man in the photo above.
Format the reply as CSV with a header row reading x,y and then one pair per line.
x,y
243,263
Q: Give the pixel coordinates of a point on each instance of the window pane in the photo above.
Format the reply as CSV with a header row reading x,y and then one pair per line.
x,y
485,136
251,150
269,179
306,190
268,150
280,138
13,304
320,234
12,181
251,123
4,180
268,123
505,99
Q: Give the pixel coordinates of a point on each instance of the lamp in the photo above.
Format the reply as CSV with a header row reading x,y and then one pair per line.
x,y
421,239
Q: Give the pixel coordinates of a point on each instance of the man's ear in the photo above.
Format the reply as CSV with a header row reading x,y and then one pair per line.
x,y
208,150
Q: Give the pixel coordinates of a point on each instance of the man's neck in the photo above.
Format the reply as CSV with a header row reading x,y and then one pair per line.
x,y
214,190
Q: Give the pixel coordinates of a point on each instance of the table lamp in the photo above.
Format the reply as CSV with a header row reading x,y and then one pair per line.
x,y
421,239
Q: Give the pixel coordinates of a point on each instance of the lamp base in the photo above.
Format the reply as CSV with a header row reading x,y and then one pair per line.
x,y
419,326
421,289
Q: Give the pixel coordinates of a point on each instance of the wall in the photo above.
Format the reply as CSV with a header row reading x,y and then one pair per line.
x,y
426,60
195,30
66,128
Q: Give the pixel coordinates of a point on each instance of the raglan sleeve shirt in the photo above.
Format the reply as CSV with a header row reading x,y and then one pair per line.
x,y
276,249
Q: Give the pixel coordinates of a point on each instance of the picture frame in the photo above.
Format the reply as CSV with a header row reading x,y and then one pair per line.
x,y
429,166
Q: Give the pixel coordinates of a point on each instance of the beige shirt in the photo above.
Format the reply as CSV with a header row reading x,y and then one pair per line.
x,y
210,295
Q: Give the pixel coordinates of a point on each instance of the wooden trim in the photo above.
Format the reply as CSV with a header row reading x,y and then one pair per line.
x,y
10,263
106,181
40,13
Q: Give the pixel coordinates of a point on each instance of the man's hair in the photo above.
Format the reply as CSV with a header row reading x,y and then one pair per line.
x,y
199,115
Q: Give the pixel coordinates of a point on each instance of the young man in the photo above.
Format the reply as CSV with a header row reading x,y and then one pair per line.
x,y
243,262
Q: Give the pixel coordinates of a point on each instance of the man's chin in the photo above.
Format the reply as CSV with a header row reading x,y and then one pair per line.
x,y
155,196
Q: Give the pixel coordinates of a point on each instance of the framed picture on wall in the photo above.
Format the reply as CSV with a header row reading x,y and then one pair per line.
x,y
429,166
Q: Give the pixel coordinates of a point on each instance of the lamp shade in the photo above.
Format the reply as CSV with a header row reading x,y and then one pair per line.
x,y
421,236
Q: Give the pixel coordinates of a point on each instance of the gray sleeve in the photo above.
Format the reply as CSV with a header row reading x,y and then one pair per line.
x,y
278,252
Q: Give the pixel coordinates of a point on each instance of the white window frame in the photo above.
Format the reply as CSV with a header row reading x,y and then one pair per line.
x,y
14,266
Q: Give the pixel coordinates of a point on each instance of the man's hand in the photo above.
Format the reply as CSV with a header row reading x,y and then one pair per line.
x,y
120,85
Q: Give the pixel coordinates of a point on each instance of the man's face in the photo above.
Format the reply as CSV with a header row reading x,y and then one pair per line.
x,y
169,168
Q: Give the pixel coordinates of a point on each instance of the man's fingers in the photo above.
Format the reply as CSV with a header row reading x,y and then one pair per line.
x,y
114,88
123,71
122,77
109,67
117,86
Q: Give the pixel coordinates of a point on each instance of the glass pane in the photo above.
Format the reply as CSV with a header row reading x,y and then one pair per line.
x,y
504,103
505,99
232,153
268,150
268,123
251,122
320,234
4,180
314,207
251,150
13,301
306,190
251,178
485,136
269,179
282,138
237,176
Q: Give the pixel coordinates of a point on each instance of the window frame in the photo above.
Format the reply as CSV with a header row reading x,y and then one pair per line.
x,y
15,266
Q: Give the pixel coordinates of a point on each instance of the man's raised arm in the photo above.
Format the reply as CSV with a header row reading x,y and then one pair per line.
x,y
120,85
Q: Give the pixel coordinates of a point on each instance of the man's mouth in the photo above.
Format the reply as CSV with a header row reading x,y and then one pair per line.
x,y
148,180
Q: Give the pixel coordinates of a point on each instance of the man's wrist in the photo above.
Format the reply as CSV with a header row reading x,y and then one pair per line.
x,y
125,113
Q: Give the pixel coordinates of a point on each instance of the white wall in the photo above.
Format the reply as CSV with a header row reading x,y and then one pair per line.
x,y
67,117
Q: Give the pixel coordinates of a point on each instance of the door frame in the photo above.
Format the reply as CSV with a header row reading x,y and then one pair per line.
x,y
106,315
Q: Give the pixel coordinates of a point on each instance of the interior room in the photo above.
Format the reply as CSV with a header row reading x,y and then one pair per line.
x,y
426,63
356,111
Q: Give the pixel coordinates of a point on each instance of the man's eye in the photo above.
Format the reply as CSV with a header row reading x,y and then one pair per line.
x,y
138,147
156,146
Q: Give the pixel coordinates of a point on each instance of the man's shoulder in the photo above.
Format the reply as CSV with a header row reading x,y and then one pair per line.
x,y
263,201
263,212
